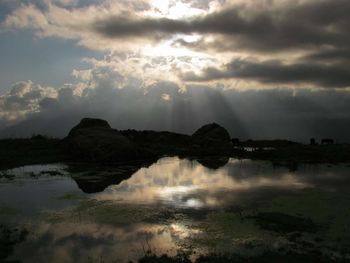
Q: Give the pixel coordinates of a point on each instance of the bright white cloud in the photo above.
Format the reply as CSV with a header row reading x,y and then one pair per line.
x,y
22,100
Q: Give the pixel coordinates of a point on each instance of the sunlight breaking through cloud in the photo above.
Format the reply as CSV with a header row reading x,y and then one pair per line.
x,y
243,46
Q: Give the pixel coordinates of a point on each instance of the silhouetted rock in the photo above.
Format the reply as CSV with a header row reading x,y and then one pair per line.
x,y
159,142
156,137
95,140
211,135
89,123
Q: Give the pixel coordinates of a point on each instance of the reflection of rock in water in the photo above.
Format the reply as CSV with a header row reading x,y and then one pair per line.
x,y
213,162
97,179
98,182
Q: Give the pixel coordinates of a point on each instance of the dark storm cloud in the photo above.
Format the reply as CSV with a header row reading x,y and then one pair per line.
x,y
274,71
225,22
316,29
125,27
314,23
342,54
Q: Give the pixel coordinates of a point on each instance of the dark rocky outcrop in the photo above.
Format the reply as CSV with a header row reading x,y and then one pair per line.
x,y
159,142
211,135
89,123
209,139
156,137
94,139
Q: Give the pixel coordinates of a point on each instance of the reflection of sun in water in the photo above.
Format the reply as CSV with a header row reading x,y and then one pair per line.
x,y
171,191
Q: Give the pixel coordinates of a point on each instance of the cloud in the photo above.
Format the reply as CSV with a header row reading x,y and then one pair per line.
x,y
66,2
276,72
70,19
270,42
276,113
22,100
166,97
330,55
293,25
276,26
165,70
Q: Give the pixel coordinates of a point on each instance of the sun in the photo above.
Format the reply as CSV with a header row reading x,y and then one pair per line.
x,y
173,9
178,56
161,6
168,48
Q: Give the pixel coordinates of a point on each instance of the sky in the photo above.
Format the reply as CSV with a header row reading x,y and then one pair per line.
x,y
263,69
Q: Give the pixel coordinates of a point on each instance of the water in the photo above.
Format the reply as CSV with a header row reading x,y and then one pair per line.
x,y
117,214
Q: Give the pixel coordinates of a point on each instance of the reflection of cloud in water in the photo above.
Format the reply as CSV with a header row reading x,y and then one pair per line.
x,y
69,242
87,230
185,183
42,170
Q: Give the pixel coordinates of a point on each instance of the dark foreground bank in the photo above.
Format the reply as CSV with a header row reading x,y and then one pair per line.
x,y
93,140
